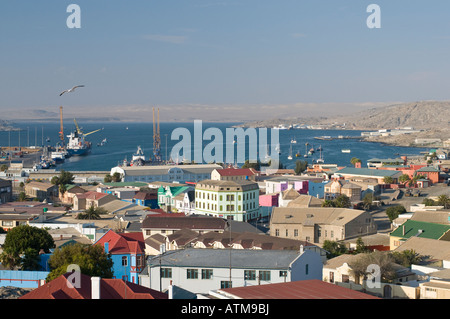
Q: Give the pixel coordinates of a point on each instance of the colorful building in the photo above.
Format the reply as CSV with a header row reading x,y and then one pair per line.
x,y
238,200
127,252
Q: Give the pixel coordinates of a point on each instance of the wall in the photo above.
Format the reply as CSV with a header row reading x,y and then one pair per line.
x,y
22,279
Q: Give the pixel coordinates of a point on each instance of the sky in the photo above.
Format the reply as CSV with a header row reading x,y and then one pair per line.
x,y
220,60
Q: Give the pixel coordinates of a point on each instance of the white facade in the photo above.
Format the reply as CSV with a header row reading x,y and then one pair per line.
x,y
165,173
202,279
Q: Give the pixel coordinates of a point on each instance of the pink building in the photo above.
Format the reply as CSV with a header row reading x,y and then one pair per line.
x,y
301,187
268,200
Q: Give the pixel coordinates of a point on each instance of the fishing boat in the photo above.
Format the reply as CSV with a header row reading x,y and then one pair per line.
x,y
345,151
78,145
58,156
311,151
293,140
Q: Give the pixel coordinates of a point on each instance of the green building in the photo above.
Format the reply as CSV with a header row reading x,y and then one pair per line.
x,y
237,200
166,195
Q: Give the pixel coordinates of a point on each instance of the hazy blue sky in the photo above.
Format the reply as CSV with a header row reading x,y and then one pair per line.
x,y
219,53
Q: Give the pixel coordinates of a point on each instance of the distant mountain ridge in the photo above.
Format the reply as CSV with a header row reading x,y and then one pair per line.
x,y
419,115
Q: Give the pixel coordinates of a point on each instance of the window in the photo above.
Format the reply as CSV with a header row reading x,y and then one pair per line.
x,y
192,274
287,233
207,273
225,284
295,232
249,274
7,223
277,232
124,261
283,273
345,278
264,275
166,272
306,269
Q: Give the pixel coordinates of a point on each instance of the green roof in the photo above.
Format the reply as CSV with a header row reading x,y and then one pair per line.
x,y
174,190
429,230
428,169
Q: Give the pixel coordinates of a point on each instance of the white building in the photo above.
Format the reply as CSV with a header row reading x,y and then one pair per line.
x,y
165,173
201,270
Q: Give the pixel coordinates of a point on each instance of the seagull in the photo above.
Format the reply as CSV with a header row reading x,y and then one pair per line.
x,y
71,90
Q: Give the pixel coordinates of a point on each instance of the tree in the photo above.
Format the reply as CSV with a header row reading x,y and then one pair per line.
x,y
355,160
406,257
404,178
360,247
3,167
108,178
23,240
342,201
368,201
388,180
385,262
334,248
22,197
116,177
30,260
92,260
443,200
92,213
328,203
63,178
393,212
428,202
300,166
256,165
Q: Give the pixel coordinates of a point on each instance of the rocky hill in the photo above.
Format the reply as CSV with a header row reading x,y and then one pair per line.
x,y
419,115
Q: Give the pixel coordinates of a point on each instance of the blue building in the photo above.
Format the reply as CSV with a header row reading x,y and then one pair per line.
x,y
127,251
146,199
317,189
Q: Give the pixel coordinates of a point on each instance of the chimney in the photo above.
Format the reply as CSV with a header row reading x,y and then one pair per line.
x,y
95,287
170,290
301,249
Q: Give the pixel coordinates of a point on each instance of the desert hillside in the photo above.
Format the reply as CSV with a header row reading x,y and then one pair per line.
x,y
419,115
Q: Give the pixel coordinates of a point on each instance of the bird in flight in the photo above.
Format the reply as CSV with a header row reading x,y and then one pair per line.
x,y
71,90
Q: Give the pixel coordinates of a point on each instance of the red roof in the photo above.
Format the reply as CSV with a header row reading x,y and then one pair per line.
x,y
63,288
236,172
302,289
129,243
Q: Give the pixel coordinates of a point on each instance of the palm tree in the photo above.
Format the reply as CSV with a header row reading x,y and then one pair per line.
x,y
444,200
90,213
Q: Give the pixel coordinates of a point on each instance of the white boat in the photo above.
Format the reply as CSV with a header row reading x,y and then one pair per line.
x,y
290,154
345,151
293,141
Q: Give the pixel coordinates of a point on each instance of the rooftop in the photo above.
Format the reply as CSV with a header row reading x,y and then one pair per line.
x,y
303,289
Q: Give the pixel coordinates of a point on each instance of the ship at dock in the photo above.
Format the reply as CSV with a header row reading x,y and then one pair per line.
x,y
78,145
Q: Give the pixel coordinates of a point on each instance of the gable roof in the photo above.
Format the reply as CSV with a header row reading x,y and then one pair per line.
x,y
62,288
289,194
367,172
189,222
123,243
235,172
304,201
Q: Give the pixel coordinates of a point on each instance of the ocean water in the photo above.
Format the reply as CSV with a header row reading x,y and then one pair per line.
x,y
124,138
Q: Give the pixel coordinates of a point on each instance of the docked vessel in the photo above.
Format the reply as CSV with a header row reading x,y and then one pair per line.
x,y
345,151
77,145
